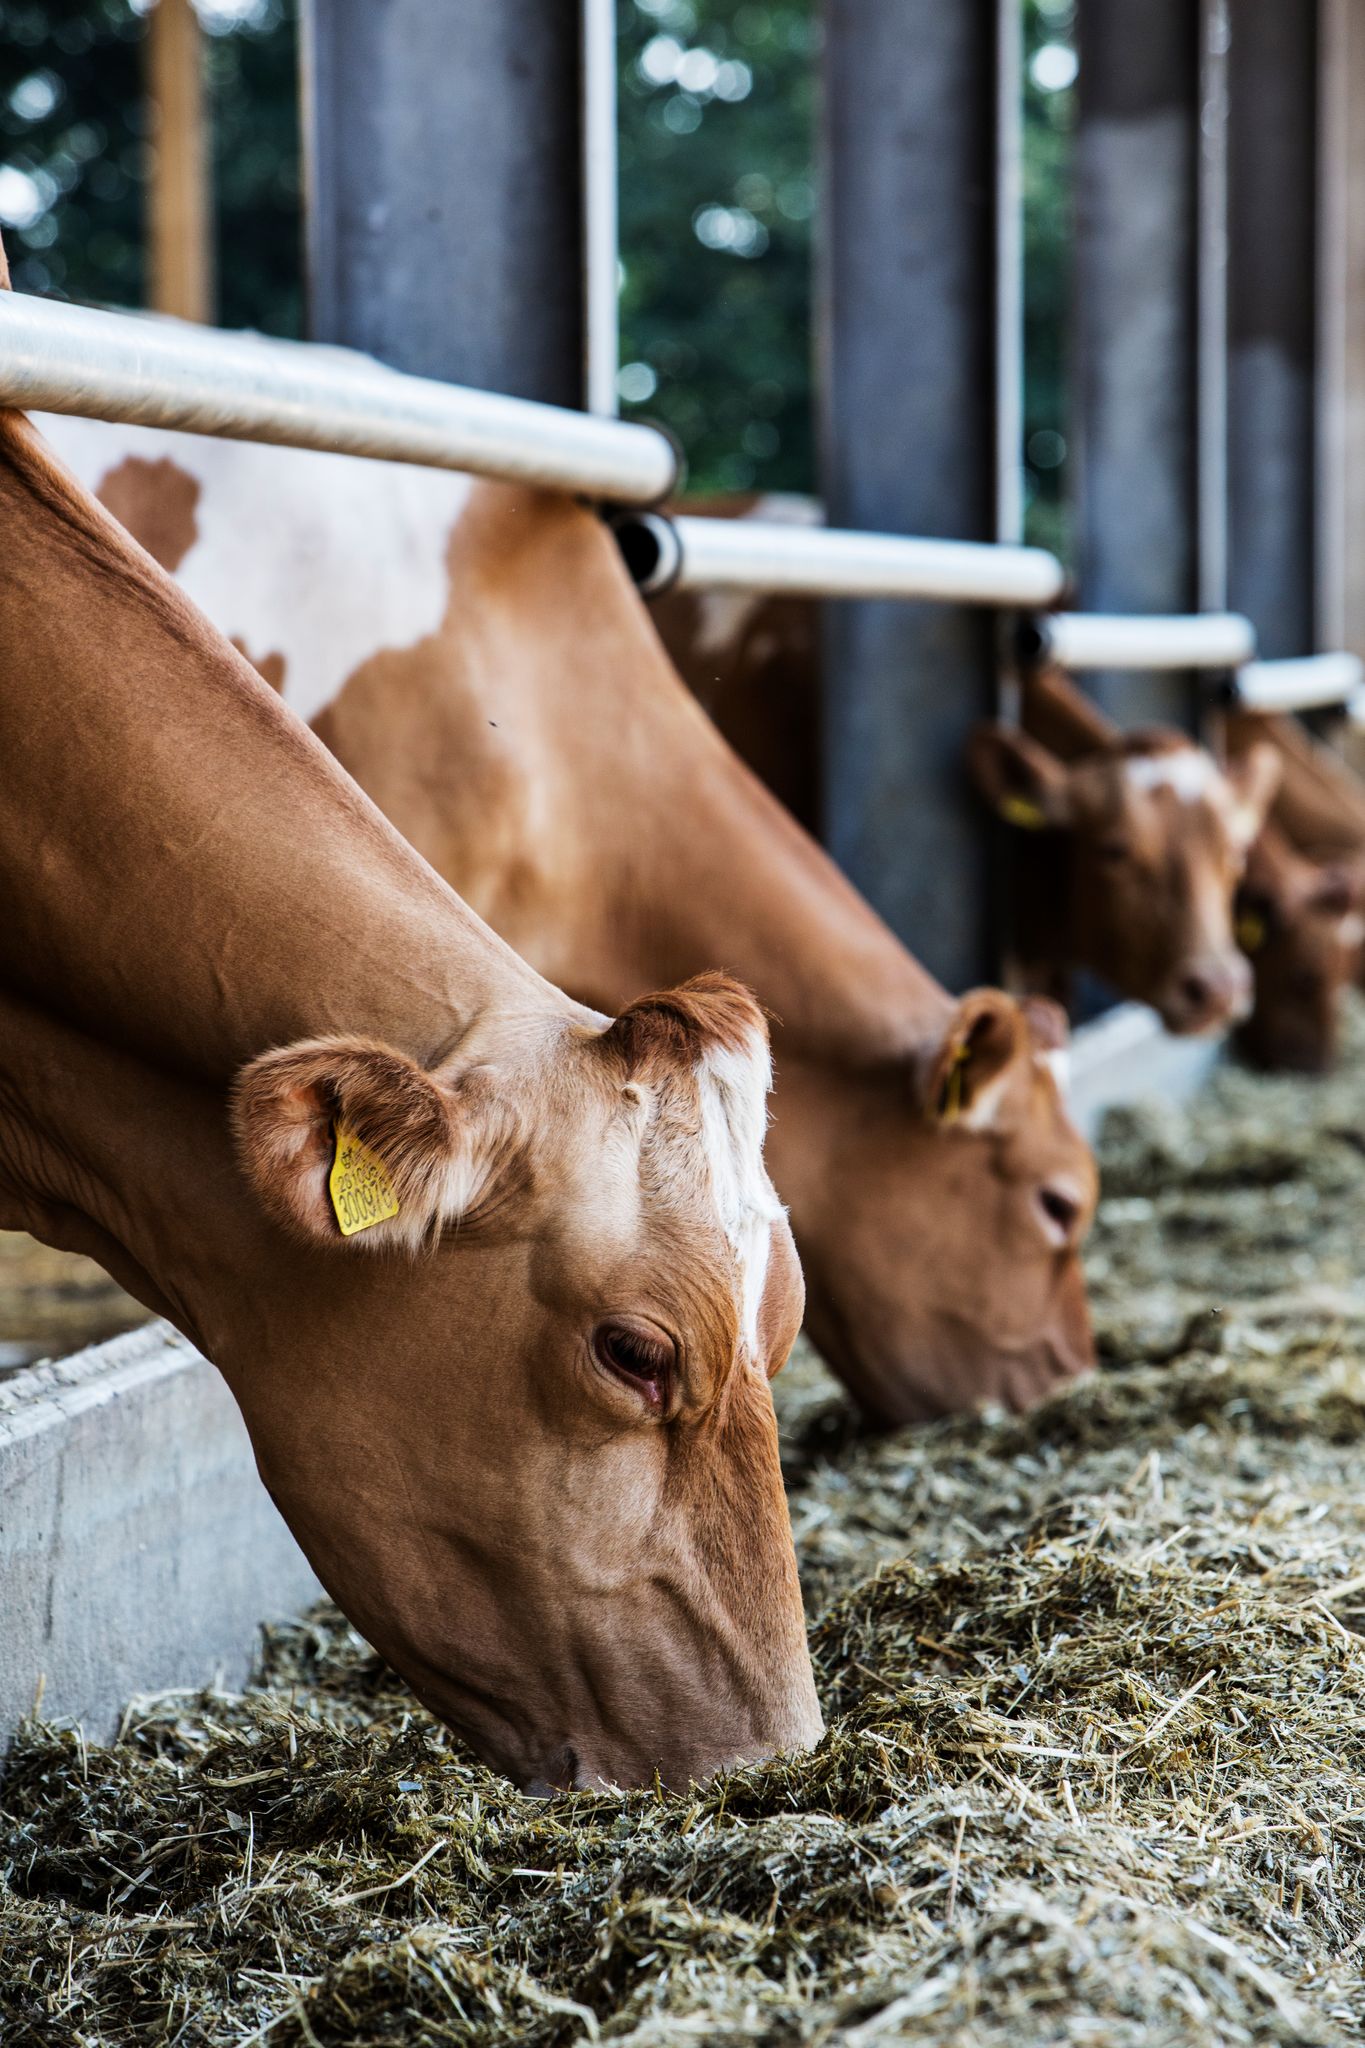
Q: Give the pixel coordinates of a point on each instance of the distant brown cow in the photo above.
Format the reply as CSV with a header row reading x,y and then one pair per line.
x,y
1131,846
1301,902
1154,919
1299,923
753,660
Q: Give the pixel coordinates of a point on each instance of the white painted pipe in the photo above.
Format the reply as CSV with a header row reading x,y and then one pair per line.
x,y
159,373
764,555
1303,684
1089,640
601,232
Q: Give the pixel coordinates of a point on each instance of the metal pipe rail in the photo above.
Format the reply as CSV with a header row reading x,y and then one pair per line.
x,y
687,553
1308,683
1094,640
160,373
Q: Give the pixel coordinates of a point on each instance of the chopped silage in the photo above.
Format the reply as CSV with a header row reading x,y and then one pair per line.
x,y
1096,1764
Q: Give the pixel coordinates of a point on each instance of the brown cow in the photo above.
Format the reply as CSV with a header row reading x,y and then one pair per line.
x,y
1320,801
1300,925
518,719
522,1424
1131,848
753,660
1300,908
1157,926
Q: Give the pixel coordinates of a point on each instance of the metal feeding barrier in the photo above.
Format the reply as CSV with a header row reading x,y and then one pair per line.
x,y
163,373
1311,682
1204,640
153,372
688,553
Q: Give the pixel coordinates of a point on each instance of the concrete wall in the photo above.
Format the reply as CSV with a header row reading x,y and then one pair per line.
x,y
138,1549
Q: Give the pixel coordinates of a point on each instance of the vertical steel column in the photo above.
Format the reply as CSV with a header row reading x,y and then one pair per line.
x,y
1341,328
919,380
601,212
1272,322
1137,355
445,220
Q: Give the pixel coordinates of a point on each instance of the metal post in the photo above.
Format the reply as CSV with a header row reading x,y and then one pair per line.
x,y
180,210
1341,323
919,357
601,213
1272,324
444,154
1136,324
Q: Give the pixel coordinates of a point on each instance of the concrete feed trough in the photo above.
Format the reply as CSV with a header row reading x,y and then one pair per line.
x,y
138,1548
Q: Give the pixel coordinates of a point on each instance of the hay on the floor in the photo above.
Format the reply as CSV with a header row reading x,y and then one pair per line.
x,y
1096,1764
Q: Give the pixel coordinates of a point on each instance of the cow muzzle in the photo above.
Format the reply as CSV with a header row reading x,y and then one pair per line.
x,y
1206,994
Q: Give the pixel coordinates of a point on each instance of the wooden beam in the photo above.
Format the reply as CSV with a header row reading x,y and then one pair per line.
x,y
181,202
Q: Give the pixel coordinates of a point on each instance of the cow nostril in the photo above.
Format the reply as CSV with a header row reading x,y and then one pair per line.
x,y
1061,1210
1195,989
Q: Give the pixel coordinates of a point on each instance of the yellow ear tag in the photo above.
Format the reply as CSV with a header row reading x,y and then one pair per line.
x,y
1023,812
362,1193
952,1093
1250,932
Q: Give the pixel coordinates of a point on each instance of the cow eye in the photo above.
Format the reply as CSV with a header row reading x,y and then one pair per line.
x,y
643,1359
1112,850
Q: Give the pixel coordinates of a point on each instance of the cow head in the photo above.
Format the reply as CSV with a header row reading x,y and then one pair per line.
x,y
1155,835
556,1329
1301,927
956,1196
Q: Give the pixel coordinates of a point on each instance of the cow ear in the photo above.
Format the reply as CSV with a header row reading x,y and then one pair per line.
x,y
985,1033
1253,778
1048,1023
1021,781
347,1141
697,1023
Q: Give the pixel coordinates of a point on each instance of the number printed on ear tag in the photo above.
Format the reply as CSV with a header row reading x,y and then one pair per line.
x,y
362,1193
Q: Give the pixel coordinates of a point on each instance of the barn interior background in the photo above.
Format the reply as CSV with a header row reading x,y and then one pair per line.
x,y
1095,1676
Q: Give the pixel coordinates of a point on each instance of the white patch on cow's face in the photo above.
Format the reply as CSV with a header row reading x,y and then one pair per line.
x,y
1351,930
1058,1064
1190,774
734,1112
323,559
984,1109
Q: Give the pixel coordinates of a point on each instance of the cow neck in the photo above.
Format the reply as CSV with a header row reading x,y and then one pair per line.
x,y
1060,717
190,877
695,864
1320,803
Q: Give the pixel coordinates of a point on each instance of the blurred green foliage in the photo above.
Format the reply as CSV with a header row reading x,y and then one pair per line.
x,y
717,195
72,146
258,205
76,148
717,150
